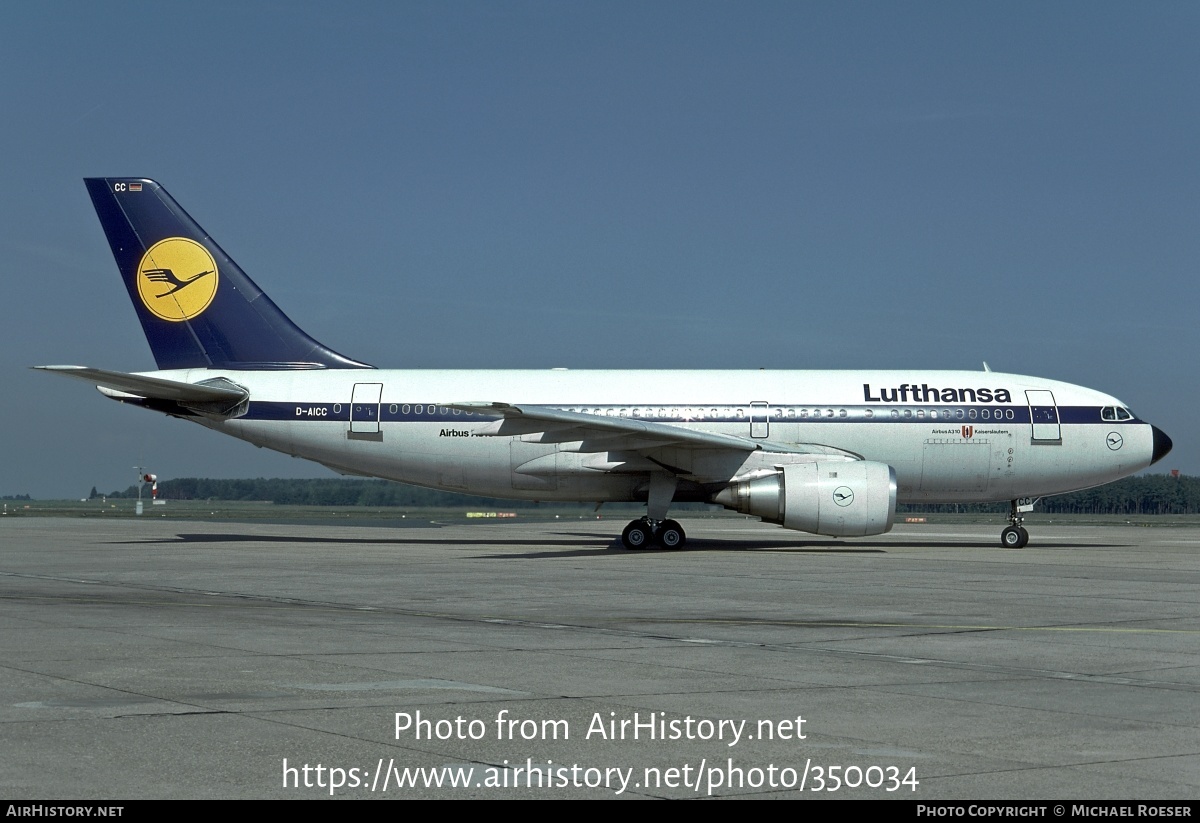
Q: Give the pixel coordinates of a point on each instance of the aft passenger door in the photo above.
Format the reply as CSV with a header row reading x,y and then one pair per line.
x,y
364,411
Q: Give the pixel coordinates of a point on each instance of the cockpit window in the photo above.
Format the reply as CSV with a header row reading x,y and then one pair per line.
x,y
1123,414
1108,413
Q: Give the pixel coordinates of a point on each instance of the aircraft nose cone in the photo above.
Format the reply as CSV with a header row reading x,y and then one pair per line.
x,y
1162,444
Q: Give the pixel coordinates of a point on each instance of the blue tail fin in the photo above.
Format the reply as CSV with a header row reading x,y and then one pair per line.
x,y
198,309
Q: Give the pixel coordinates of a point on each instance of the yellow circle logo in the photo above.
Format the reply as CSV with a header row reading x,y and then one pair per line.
x,y
177,279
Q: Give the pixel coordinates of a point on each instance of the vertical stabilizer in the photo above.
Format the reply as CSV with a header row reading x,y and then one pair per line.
x,y
197,307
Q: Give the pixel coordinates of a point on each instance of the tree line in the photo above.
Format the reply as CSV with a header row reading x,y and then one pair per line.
x,y
1148,494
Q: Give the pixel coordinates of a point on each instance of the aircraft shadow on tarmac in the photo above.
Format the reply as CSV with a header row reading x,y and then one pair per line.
x,y
602,543
695,546
354,541
587,545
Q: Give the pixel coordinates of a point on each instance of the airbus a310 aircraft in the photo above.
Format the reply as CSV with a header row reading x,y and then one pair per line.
x,y
825,452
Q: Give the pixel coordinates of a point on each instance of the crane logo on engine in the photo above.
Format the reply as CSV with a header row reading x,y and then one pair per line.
x,y
843,495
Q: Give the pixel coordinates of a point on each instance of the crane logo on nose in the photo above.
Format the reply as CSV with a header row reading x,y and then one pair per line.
x,y
177,279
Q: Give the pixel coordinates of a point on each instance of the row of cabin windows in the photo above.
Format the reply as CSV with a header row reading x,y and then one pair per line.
x,y
430,409
778,414
781,414
958,414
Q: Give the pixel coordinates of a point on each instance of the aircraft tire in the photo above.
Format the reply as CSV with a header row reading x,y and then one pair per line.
x,y
670,535
637,536
1024,536
1014,538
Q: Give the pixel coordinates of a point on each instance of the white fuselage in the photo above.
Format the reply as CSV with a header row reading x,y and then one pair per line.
x,y
950,436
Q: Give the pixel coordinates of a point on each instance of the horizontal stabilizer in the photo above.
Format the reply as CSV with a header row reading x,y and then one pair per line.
x,y
155,388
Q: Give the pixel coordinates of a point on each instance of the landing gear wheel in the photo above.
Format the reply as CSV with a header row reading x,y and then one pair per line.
x,y
1014,537
636,536
670,535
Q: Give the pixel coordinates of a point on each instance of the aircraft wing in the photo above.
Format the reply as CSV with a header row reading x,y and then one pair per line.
x,y
594,433
153,388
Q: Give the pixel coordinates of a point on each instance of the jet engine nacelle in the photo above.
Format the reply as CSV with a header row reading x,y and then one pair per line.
x,y
850,499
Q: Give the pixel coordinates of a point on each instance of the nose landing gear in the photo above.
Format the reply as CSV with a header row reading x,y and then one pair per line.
x,y
1015,536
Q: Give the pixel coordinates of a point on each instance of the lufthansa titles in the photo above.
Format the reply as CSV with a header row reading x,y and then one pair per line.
x,y
925,393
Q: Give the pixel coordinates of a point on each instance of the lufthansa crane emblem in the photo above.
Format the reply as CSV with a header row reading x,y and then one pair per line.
x,y
177,279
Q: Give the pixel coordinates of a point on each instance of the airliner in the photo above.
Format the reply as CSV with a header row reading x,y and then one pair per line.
x,y
823,452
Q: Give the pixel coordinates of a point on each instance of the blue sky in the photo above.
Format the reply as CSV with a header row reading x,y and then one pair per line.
x,y
620,184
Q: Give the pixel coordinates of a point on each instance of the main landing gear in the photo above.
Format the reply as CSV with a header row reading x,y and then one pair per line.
x,y
655,527
642,534
1015,536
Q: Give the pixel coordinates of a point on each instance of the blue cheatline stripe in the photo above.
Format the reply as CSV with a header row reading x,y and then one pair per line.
x,y
431,413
